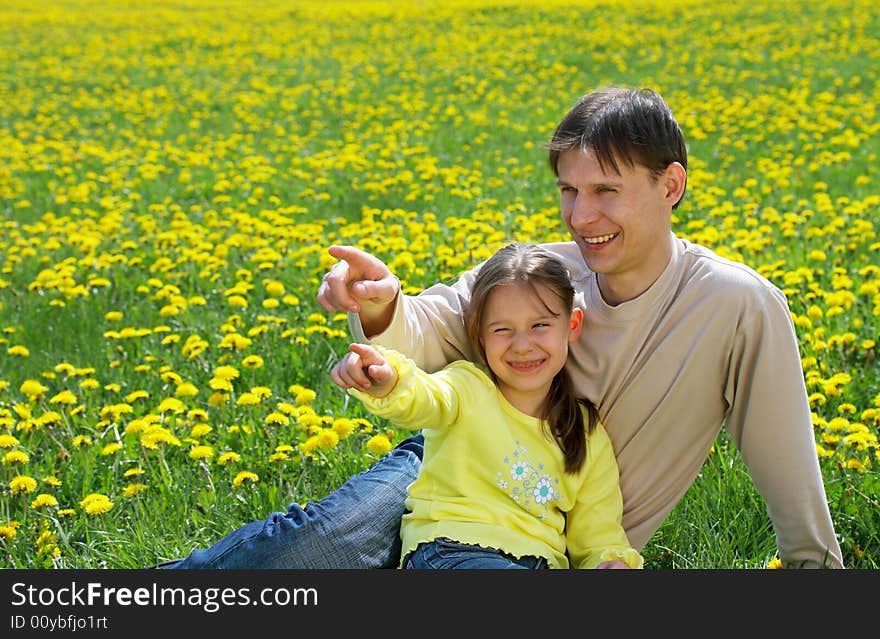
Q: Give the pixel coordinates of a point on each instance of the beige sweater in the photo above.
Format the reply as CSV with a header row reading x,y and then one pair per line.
x,y
710,343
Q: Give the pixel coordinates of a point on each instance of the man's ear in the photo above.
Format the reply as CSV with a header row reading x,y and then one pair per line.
x,y
575,324
675,180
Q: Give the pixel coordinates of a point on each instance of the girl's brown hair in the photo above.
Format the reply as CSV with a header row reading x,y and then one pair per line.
x,y
529,264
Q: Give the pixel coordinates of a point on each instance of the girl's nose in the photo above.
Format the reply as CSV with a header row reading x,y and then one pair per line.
x,y
522,343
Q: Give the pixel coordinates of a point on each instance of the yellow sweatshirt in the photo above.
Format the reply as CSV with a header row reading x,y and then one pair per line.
x,y
491,475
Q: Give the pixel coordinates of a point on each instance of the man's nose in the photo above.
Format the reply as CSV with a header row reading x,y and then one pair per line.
x,y
584,211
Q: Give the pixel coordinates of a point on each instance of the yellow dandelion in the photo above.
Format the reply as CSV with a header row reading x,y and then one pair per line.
x,y
774,564
81,440
274,287
8,441
305,396
218,399
252,361
50,417
116,410
378,445
226,372
245,476
186,389
171,405
113,316
96,504
66,512
220,384
198,415
309,446
89,383
22,485
7,532
201,452
157,435
229,457
111,448
64,397
18,351
327,439
170,376
136,395
23,411
309,419
283,448
44,500
133,489
15,457
237,301
343,427
276,418
247,399
200,430
287,408
52,481
32,388
65,368
263,392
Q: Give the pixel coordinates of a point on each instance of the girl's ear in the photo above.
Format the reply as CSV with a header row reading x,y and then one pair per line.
x,y
575,324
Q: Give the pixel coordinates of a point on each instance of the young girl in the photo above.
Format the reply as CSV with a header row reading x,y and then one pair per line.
x,y
517,472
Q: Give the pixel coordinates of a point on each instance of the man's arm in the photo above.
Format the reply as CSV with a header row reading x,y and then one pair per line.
x,y
428,327
771,424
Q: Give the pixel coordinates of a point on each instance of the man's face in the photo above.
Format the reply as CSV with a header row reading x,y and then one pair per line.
x,y
621,222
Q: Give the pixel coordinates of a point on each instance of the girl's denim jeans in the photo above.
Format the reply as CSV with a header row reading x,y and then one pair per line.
x,y
447,554
356,526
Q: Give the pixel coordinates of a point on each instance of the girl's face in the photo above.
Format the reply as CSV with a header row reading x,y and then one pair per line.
x,y
526,336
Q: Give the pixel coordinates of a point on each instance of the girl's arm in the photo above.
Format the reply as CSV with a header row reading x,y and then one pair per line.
x,y
417,399
594,535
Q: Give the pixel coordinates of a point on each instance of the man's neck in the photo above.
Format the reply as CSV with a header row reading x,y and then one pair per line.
x,y
620,288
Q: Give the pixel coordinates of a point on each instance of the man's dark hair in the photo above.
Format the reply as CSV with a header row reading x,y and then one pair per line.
x,y
633,126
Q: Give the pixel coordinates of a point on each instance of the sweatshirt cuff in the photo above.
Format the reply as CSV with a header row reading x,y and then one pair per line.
x,y
405,369
629,556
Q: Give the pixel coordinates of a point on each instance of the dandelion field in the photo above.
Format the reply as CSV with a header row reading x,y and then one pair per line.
x,y
171,174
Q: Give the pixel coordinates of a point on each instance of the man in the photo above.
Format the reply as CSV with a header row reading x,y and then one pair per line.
x,y
676,343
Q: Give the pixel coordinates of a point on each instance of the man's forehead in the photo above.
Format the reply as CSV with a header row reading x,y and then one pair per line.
x,y
578,163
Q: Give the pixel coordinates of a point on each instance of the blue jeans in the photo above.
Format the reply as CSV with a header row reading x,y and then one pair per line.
x,y
356,526
446,554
